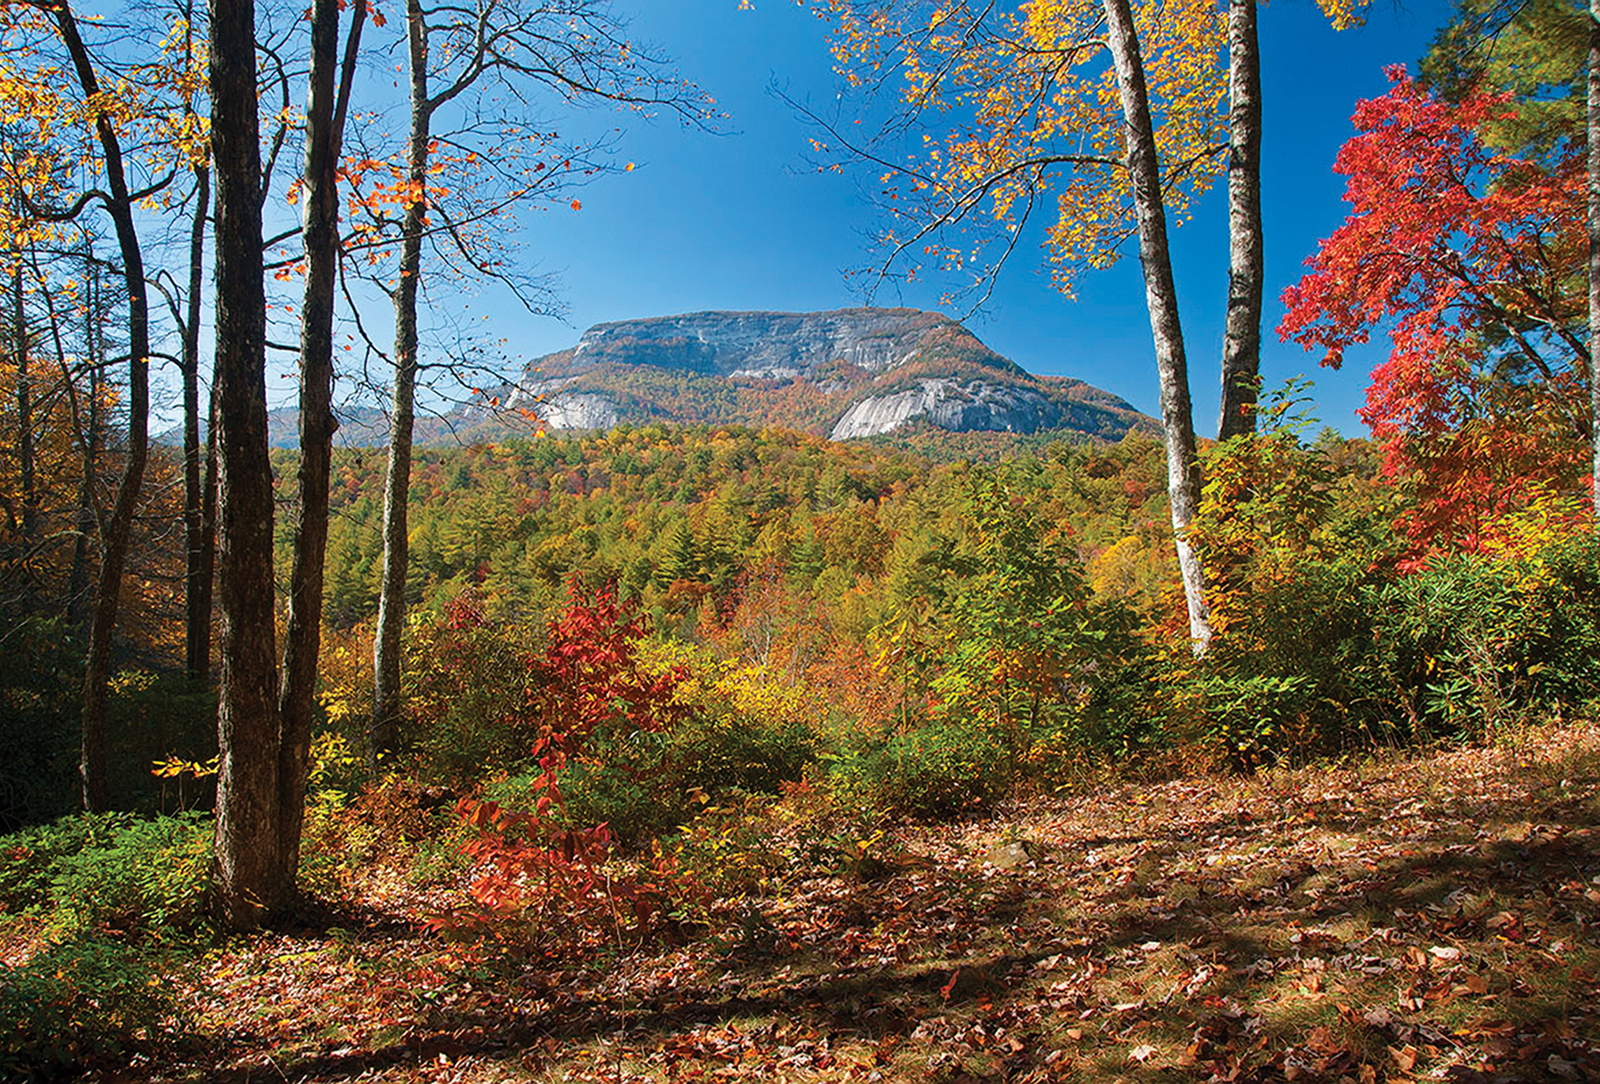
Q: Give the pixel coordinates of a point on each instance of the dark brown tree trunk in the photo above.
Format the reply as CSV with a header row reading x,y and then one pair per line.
x,y
303,638
119,525
1241,336
386,700
206,572
1161,297
26,459
88,504
249,882
197,561
1593,124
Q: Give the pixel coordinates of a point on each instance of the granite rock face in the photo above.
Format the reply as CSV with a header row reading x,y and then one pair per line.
x,y
757,345
848,373
845,374
953,405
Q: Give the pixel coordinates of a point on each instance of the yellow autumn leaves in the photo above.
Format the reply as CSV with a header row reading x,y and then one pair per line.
x,y
45,122
1031,119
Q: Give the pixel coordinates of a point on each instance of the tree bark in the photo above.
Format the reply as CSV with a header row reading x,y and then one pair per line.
x,y
1161,298
383,732
303,636
1593,134
197,566
25,447
249,882
119,525
1241,336
78,610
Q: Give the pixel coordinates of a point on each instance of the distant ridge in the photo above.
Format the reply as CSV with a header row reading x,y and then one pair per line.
x,y
842,374
845,374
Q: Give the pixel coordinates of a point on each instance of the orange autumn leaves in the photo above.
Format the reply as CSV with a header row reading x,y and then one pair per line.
x,y
378,190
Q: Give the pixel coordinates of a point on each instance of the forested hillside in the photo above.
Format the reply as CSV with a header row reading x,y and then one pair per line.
x,y
673,515
808,696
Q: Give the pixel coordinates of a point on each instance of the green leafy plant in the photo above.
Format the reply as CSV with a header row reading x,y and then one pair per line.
x,y
110,871
149,876
465,675
947,768
1011,647
78,999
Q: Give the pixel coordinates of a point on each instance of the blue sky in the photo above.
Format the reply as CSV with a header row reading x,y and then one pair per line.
x,y
739,219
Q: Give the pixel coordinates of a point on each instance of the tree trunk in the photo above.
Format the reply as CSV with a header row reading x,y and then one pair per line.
x,y
26,459
88,503
205,573
119,526
1241,336
384,729
249,881
303,636
197,561
1594,242
1161,297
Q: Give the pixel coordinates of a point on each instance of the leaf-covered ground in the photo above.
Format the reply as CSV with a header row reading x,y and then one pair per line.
x,y
1413,918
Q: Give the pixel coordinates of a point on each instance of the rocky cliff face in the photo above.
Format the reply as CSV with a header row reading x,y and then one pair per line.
x,y
757,345
953,405
849,373
844,374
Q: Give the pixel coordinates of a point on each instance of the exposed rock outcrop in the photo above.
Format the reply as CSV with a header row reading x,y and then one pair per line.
x,y
849,373
844,374
953,405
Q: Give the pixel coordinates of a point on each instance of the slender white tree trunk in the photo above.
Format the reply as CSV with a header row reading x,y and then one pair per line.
x,y
1161,297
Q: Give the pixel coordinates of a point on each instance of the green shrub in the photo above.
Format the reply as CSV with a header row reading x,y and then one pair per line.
x,y
1485,642
1004,636
1302,671
465,680
718,752
76,1000
625,781
1244,722
154,874
947,768
1569,577
110,871
28,858
643,783
729,849
1334,655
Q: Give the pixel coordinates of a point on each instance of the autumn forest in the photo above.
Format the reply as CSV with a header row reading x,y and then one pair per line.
x,y
704,746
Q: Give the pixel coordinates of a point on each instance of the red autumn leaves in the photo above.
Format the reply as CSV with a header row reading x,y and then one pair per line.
x,y
1471,257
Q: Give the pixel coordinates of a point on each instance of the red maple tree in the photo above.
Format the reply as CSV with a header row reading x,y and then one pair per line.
x,y
1472,259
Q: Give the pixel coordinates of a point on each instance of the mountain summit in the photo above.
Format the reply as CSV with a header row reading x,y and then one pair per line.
x,y
847,373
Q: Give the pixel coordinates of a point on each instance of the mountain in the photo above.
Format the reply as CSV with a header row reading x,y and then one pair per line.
x,y
844,374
